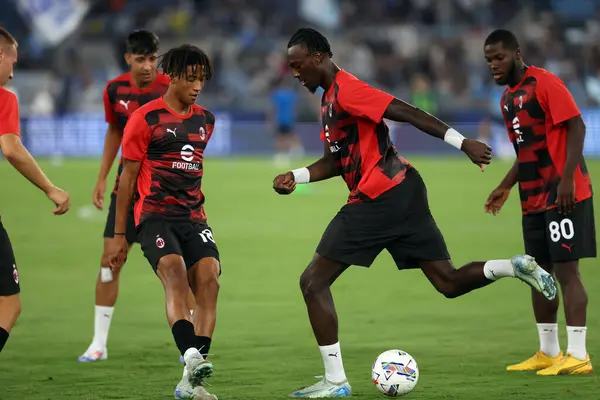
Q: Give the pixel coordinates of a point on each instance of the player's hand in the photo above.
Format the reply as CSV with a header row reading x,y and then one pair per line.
x,y
117,252
496,200
98,196
61,200
565,196
479,152
284,183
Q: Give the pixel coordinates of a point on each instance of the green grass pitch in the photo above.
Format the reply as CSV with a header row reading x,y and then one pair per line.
x,y
263,346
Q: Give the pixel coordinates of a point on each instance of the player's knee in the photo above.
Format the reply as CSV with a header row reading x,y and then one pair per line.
x,y
209,281
309,284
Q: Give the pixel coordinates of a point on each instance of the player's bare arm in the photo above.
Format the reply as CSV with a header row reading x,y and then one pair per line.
x,y
14,151
566,188
324,168
118,252
498,197
112,142
401,111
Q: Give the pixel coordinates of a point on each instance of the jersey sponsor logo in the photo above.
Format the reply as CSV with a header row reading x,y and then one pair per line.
x,y
187,155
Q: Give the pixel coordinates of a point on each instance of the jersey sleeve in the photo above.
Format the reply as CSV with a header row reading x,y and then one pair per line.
x,y
136,138
556,100
361,100
9,114
109,114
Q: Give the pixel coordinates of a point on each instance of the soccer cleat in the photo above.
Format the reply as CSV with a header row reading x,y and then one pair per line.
x,y
184,390
198,369
324,388
181,359
528,270
569,365
93,355
540,360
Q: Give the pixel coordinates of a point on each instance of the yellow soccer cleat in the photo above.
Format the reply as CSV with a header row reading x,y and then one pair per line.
x,y
569,365
540,360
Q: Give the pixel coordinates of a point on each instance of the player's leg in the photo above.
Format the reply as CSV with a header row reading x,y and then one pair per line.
x,y
419,242
351,238
10,303
572,237
315,284
107,289
162,246
204,280
545,311
202,259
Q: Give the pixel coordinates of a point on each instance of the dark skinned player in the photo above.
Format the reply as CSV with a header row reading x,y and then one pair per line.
x,y
163,152
547,131
387,207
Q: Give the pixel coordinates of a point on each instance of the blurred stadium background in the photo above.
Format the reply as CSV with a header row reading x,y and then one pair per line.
x,y
428,52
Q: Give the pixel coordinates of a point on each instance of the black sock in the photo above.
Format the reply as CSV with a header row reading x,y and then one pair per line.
x,y
203,345
4,338
183,333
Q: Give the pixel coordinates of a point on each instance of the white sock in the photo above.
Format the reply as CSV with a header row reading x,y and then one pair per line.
x,y
576,342
549,339
332,358
103,316
192,312
495,269
185,372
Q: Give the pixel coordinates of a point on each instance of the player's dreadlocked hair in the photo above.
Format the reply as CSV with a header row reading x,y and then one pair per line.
x,y
507,38
176,61
141,42
312,40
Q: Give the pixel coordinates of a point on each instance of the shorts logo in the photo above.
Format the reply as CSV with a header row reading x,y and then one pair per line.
x,y
15,274
570,248
160,242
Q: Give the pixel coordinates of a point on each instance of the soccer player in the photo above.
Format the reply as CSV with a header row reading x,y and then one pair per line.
x,y
122,96
547,131
14,151
163,151
387,206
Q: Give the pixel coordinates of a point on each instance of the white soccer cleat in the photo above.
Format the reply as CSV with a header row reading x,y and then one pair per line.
x,y
198,369
528,270
324,388
93,355
184,390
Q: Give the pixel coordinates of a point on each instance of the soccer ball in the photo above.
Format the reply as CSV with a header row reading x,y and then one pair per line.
x,y
395,373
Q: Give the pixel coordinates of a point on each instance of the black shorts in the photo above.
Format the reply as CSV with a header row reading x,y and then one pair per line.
x,y
399,220
9,276
553,237
192,241
109,229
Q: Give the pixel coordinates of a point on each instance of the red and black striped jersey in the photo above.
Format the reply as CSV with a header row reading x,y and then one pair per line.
x,y
171,149
122,97
535,113
353,127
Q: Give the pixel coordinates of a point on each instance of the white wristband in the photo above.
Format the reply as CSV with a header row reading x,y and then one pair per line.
x,y
453,138
301,175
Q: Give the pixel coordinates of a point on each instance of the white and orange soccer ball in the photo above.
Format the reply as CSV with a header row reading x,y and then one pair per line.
x,y
395,373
